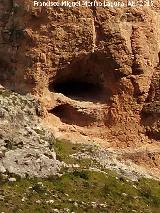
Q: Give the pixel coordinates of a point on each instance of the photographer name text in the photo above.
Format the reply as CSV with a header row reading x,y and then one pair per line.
x,y
129,3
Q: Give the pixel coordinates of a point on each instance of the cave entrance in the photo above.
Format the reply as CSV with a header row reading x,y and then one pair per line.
x,y
79,90
69,115
87,78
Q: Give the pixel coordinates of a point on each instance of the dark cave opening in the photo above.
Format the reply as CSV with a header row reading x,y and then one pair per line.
x,y
159,59
88,77
149,119
77,89
80,90
70,115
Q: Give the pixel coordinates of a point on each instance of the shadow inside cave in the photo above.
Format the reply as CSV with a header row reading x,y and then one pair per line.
x,y
82,91
70,115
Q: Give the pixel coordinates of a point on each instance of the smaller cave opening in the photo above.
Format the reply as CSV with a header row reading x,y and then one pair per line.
x,y
81,90
70,115
150,121
136,69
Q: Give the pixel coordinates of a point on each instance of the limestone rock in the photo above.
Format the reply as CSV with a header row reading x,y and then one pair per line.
x,y
24,145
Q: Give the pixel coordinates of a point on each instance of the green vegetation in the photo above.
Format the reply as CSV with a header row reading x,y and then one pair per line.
x,y
79,190
65,150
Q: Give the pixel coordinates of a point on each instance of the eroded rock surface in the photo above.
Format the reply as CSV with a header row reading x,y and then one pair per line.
x,y
96,70
25,145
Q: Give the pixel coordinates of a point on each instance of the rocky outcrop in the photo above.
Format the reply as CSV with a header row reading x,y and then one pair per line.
x,y
151,109
25,145
91,67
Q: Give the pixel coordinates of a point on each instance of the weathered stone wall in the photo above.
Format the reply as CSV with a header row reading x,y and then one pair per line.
x,y
114,48
44,40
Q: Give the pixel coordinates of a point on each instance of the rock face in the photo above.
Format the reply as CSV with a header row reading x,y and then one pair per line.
x,y
93,68
25,145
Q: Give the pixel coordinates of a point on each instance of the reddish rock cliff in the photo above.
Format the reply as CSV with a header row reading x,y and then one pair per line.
x,y
96,70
